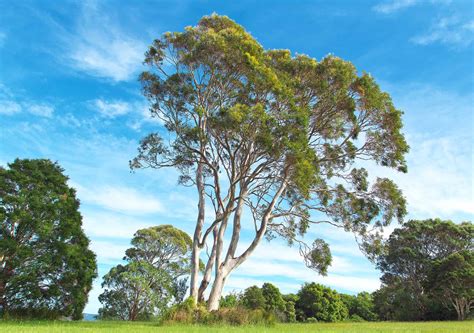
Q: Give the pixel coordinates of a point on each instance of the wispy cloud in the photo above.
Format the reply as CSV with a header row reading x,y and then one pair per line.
x,y
448,30
388,7
101,48
120,199
393,6
9,107
111,109
42,110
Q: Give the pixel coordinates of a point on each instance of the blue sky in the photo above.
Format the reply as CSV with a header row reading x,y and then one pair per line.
x,y
69,92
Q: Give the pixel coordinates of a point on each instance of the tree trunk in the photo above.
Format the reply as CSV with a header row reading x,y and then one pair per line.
x,y
208,271
217,287
224,269
194,292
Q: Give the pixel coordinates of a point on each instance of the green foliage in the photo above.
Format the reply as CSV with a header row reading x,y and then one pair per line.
x,y
290,312
321,303
188,313
152,278
267,119
360,306
229,301
410,262
451,281
46,267
273,299
136,291
253,298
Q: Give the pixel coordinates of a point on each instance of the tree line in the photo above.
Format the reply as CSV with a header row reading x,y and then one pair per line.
x,y
47,269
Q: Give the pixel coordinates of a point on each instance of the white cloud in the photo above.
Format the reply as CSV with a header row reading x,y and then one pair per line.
x,y
392,6
112,226
111,109
108,252
448,30
101,48
120,199
9,107
41,110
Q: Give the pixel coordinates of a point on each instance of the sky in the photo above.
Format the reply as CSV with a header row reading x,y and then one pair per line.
x,y
69,92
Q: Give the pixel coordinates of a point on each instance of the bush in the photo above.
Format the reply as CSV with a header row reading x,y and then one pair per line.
x,y
355,319
188,313
320,302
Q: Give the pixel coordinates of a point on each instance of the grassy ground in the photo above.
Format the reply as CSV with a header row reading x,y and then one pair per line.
x,y
123,327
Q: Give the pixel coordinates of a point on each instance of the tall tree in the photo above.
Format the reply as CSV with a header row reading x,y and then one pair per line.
x,y
46,266
411,254
155,275
270,134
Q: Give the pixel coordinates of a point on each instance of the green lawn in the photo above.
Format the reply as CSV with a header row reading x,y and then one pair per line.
x,y
124,327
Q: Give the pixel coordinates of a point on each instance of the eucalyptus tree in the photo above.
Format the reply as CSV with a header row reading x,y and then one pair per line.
x,y
272,136
46,266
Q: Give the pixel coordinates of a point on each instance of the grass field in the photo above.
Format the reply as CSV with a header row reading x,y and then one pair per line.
x,y
124,327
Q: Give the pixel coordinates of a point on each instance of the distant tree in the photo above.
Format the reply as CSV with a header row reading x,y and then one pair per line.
x,y
451,281
165,248
361,305
321,303
408,259
290,310
135,291
154,276
273,299
252,298
272,134
46,266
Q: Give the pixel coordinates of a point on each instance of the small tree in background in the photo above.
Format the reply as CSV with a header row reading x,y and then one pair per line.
x,y
136,291
152,278
320,303
273,300
46,266
252,298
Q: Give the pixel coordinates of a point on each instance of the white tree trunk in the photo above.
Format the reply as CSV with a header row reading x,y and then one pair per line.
x,y
217,287
194,291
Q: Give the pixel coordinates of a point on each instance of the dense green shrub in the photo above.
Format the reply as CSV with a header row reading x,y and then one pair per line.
x,y
361,305
229,301
253,298
320,302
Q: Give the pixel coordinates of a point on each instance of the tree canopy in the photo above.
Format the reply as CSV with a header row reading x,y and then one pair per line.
x,y
46,266
321,303
270,134
426,258
154,276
